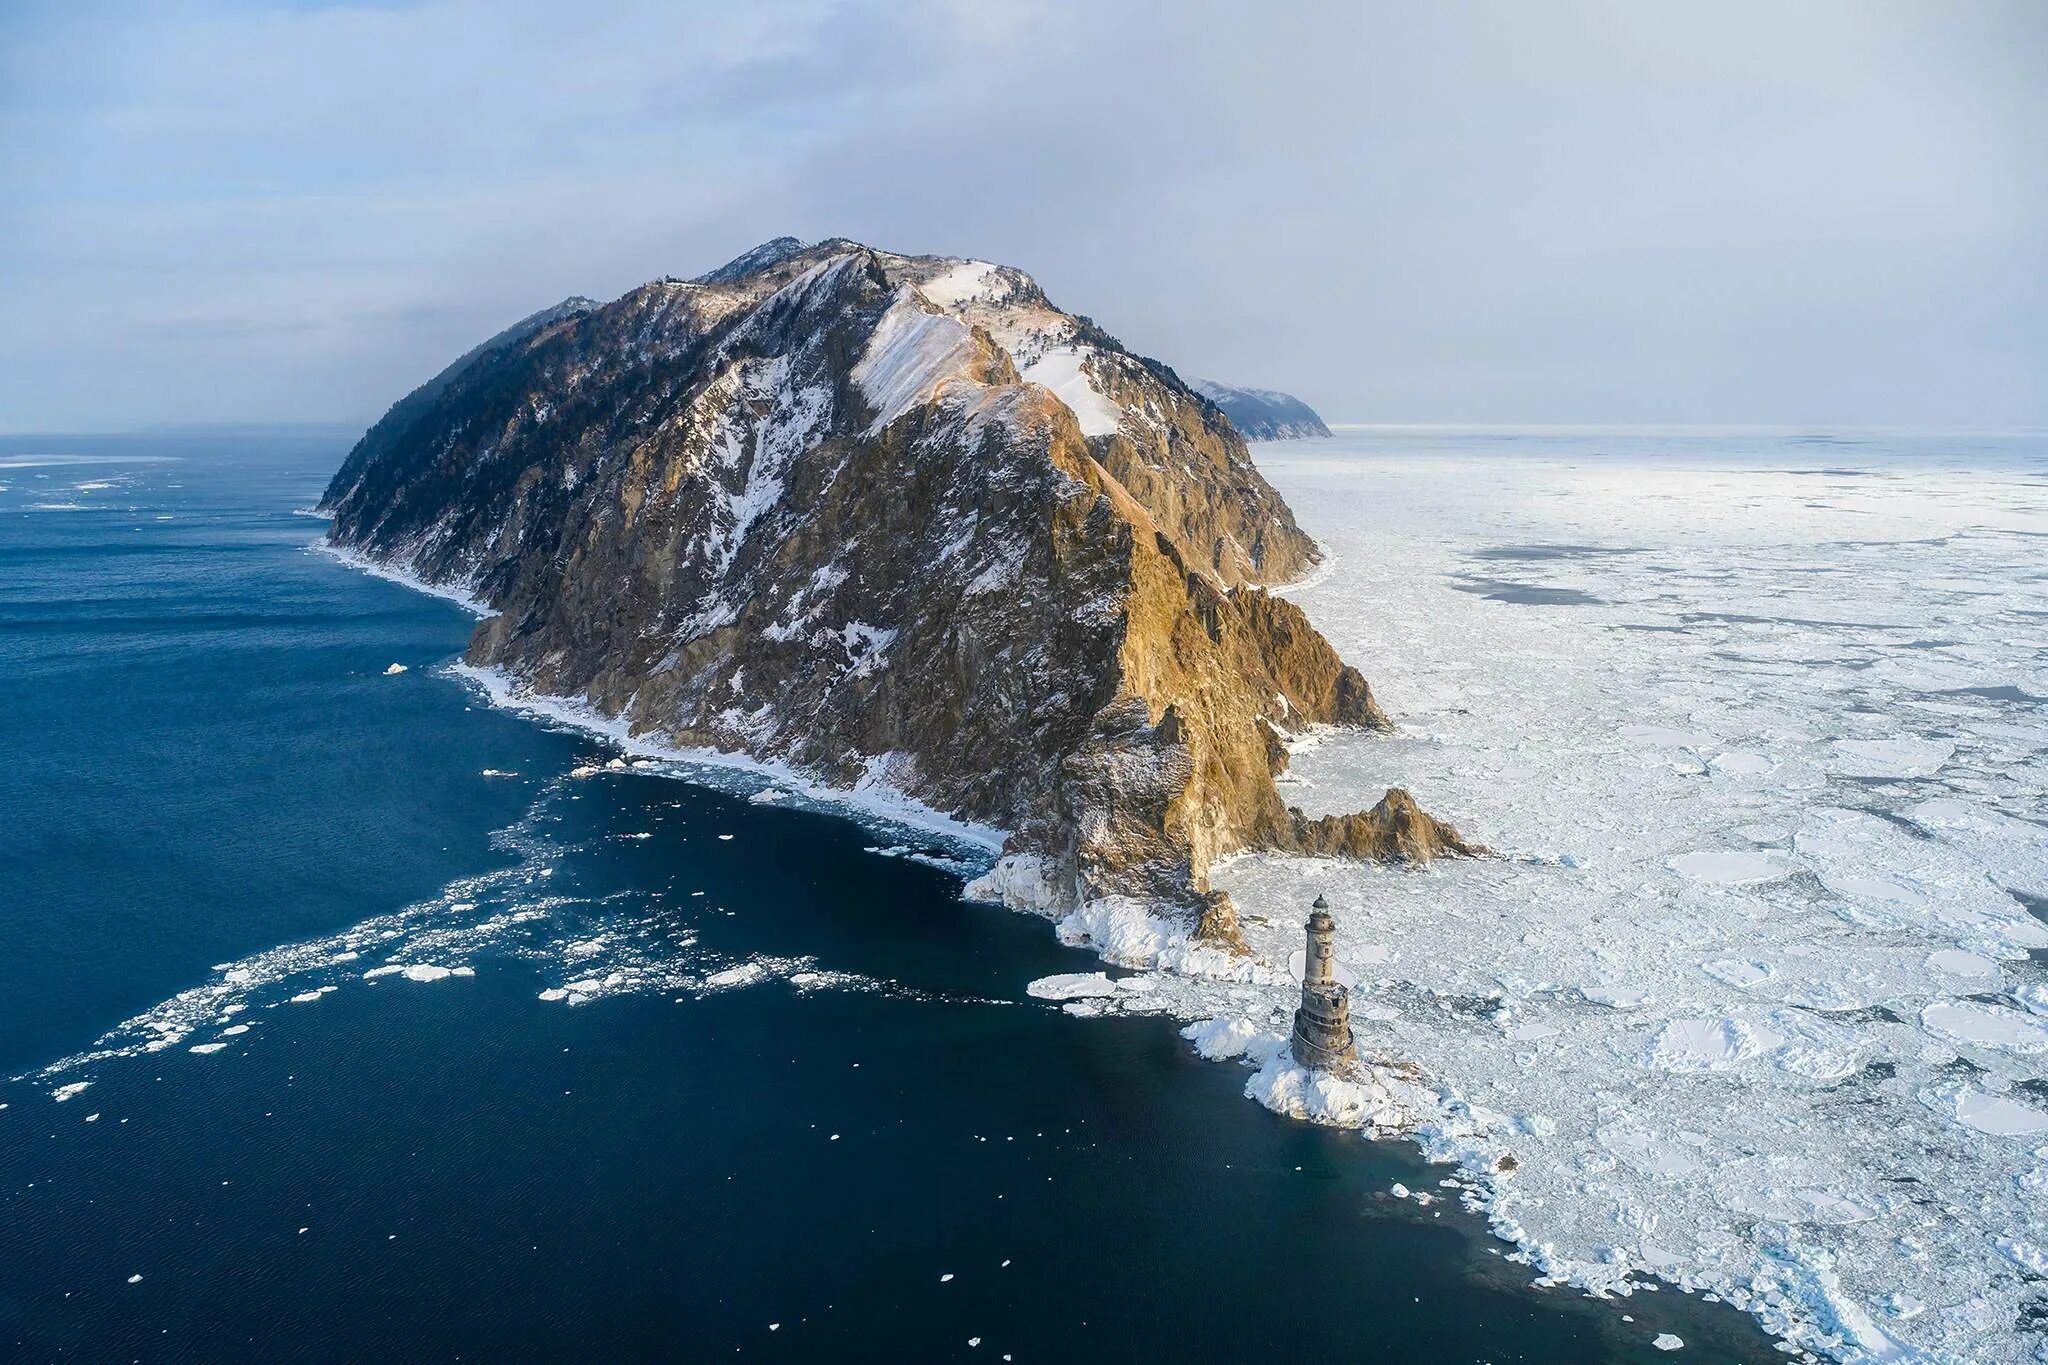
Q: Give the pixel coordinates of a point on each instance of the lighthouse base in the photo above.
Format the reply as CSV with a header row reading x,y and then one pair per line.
x,y
1322,1029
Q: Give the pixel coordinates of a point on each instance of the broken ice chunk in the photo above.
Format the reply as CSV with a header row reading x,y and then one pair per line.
x,y
1709,1044
1072,986
1998,1115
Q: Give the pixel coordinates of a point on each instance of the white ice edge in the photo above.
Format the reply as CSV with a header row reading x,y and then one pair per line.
x,y
390,573
1314,578
875,801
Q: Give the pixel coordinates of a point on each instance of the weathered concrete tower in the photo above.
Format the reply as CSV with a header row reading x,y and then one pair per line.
x,y
1322,1026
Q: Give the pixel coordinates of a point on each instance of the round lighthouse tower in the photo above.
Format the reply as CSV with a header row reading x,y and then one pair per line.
x,y
1322,1025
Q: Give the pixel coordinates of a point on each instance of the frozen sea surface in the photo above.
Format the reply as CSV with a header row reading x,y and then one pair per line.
x,y
1756,998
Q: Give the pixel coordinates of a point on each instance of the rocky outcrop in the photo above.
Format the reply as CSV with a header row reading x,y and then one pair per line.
x,y
1395,830
1263,414
893,520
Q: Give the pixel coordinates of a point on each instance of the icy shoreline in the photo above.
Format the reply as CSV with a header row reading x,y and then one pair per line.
x,y
377,568
1792,1280
873,798
1205,988
1388,1099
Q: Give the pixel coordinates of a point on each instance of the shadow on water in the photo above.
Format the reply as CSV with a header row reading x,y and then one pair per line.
x,y
1537,553
1526,594
1531,594
2001,693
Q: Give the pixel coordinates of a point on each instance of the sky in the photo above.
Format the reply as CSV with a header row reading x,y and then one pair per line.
x,y
1535,211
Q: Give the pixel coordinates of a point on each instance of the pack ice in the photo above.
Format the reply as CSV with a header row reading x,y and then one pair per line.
x,y
1756,998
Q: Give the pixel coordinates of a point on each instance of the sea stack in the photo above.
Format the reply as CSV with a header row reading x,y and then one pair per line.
x,y
1322,1026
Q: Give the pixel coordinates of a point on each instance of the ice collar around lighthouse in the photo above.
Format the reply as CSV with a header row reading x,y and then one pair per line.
x,y
1322,1026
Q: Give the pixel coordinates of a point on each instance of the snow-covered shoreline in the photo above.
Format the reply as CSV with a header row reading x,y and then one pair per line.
x,y
871,801
391,573
873,798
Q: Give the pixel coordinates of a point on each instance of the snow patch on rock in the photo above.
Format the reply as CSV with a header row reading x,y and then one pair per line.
x,y
1063,369
909,355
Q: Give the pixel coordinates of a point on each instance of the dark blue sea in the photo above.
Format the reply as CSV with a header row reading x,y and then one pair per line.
x,y
279,923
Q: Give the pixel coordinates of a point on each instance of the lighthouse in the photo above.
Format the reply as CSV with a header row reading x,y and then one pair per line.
x,y
1322,1026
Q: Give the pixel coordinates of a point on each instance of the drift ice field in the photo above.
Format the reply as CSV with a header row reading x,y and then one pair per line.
x,y
1757,995
1753,1001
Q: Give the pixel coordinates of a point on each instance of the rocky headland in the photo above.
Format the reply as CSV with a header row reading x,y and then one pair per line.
x,y
1263,414
894,521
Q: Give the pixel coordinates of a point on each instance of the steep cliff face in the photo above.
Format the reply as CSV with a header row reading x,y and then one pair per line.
x,y
1263,414
889,519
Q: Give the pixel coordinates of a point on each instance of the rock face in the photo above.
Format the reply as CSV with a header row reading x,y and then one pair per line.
x,y
893,520
1395,828
1263,414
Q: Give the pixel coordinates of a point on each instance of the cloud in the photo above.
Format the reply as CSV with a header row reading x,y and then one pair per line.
x,y
1579,211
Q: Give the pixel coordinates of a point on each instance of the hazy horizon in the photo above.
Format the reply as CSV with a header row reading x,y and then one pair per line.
x,y
352,428
261,214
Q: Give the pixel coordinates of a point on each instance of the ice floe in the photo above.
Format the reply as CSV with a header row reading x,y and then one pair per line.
x,y
1732,868
1073,986
1998,1115
1892,757
1738,971
1956,962
1986,1025
1709,1044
